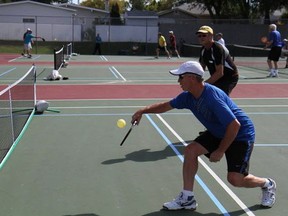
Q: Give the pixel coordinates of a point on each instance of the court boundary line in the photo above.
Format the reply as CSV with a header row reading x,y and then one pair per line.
x,y
8,71
198,179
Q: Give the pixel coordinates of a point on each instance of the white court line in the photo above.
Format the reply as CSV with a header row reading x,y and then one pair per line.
x,y
103,58
8,71
116,71
212,173
36,57
16,58
112,71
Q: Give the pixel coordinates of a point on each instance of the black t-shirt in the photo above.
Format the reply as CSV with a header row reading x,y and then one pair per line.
x,y
217,55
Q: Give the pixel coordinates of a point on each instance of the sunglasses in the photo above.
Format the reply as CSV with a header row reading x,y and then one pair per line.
x,y
201,35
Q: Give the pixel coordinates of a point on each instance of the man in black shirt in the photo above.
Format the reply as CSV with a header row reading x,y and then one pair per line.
x,y
214,56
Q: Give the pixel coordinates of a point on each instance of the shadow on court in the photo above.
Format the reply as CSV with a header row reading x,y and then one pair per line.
x,y
195,213
88,214
145,155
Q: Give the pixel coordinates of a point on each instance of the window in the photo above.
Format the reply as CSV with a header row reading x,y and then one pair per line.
x,y
28,20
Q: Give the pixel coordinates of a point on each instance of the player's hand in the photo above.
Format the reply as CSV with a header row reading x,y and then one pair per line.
x,y
136,117
216,156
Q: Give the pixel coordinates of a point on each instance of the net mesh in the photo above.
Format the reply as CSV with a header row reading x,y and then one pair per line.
x,y
58,58
235,50
68,51
17,104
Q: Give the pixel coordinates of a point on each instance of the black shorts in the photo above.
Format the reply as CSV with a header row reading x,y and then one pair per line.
x,y
227,85
237,155
274,53
162,48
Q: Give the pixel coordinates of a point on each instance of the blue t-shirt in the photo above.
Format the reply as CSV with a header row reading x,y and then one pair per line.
x,y
28,38
275,36
215,110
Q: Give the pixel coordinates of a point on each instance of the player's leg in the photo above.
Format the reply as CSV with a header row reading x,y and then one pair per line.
x,y
157,52
186,198
238,158
29,49
165,49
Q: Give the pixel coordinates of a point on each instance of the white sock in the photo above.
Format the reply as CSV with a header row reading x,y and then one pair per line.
x,y
267,183
187,193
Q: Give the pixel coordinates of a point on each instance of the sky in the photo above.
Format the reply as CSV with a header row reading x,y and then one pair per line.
x,y
76,1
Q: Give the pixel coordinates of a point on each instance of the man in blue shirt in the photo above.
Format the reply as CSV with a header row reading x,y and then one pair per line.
x,y
275,42
97,48
229,131
28,42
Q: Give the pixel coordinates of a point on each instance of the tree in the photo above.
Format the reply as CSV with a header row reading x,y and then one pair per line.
x,y
115,14
244,9
99,4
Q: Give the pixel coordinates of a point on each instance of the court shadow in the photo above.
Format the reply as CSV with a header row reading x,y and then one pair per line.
x,y
144,155
256,207
179,213
247,78
87,214
163,212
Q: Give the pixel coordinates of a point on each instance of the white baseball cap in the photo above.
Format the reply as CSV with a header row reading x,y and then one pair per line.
x,y
171,32
189,67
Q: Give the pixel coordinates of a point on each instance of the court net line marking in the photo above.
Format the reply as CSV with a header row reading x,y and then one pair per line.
x,y
212,173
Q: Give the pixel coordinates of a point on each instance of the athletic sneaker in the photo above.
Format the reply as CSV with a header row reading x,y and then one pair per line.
x,y
271,73
275,73
181,202
269,194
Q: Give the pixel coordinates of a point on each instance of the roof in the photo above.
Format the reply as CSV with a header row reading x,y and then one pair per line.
x,y
187,9
36,3
83,7
143,14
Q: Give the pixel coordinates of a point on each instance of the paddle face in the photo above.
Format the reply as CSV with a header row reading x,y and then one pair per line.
x,y
264,39
129,131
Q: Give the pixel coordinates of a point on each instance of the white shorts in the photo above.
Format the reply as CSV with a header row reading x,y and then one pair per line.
x,y
28,46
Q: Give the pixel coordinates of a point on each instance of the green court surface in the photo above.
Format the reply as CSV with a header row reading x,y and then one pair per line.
x,y
71,163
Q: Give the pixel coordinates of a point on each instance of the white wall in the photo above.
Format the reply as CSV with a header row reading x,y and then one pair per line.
x,y
15,31
115,33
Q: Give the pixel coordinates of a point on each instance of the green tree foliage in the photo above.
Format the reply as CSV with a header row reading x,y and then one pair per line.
x,y
244,9
115,14
99,4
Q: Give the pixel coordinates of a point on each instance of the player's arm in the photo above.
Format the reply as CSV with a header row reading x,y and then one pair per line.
x,y
230,135
219,72
268,44
154,108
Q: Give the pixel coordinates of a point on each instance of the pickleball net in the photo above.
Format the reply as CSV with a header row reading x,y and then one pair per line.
x,y
69,51
17,106
251,61
58,58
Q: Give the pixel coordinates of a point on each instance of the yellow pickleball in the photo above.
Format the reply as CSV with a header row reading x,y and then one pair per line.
x,y
121,123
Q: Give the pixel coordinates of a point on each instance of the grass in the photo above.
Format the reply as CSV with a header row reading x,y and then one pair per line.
x,y
19,49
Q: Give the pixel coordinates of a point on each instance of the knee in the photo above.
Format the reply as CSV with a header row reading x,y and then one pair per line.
x,y
192,150
235,180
